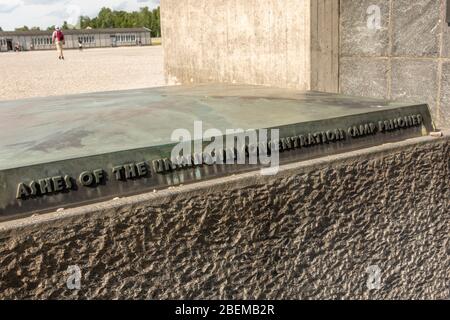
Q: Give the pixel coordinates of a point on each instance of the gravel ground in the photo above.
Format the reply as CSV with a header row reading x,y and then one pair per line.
x,y
40,73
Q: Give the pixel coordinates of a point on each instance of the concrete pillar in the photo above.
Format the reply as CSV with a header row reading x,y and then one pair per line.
x,y
283,43
397,50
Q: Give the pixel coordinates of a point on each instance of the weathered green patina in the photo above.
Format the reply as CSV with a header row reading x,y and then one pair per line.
x,y
113,138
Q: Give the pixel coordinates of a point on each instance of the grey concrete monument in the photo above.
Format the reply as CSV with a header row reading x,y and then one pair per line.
x,y
72,150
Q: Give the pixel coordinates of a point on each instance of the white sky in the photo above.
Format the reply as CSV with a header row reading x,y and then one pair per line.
x,y
45,13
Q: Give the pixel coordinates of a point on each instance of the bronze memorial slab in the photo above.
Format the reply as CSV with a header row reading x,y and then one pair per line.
x,y
61,152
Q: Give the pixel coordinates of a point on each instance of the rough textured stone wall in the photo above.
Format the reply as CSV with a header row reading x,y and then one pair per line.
x,y
283,43
310,232
406,56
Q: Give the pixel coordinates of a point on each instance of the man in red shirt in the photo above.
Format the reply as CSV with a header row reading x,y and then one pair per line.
x,y
58,39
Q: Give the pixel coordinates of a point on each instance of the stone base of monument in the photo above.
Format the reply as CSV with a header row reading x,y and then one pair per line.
x,y
68,151
358,208
324,228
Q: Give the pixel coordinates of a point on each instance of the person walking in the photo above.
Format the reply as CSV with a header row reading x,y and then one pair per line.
x,y
58,39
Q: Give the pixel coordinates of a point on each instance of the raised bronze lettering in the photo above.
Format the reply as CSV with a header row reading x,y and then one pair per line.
x,y
99,175
68,182
130,171
142,169
58,183
22,191
45,185
34,188
117,171
86,179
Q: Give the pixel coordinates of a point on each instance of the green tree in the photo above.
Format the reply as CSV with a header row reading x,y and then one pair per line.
x,y
1,29
65,26
24,28
105,18
85,22
145,17
156,23
108,18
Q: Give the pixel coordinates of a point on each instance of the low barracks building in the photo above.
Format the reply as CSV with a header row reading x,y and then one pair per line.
x,y
90,38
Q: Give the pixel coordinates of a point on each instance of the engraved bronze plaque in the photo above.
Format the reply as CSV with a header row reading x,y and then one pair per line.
x,y
67,151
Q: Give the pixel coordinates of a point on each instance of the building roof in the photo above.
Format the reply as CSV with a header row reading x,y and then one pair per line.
x,y
73,31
